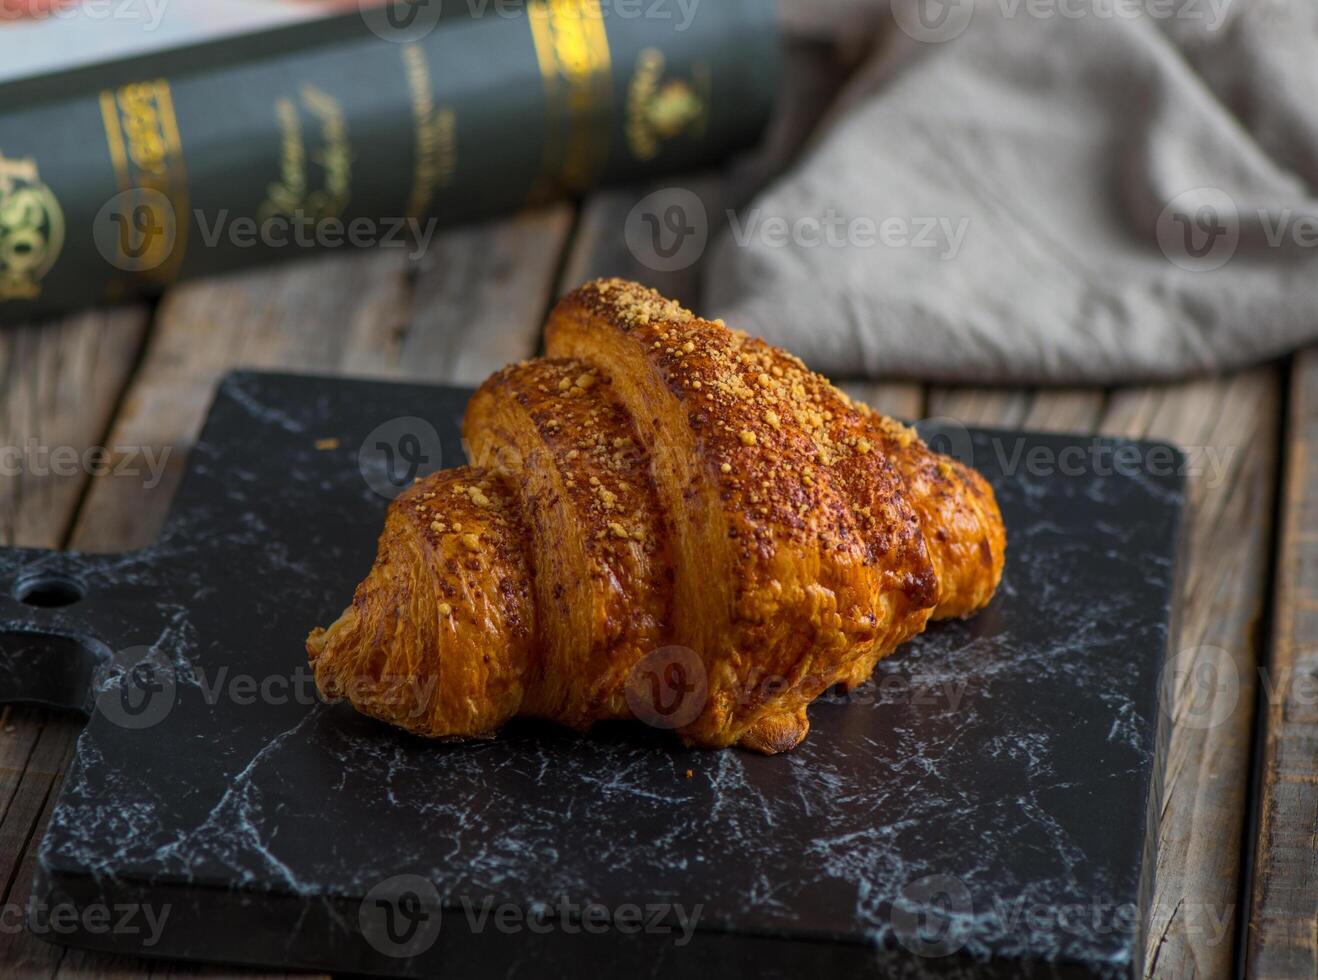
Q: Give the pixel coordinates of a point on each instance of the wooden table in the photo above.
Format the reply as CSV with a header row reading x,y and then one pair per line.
x,y
1237,874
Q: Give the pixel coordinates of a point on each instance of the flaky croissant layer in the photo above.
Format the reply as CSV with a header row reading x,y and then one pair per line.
x,y
665,520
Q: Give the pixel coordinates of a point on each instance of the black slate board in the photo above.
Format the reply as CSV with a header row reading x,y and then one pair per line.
x,y
980,807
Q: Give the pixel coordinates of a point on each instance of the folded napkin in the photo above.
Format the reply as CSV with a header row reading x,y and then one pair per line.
x,y
1047,191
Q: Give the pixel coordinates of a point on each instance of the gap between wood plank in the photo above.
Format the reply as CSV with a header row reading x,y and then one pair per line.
x,y
1281,936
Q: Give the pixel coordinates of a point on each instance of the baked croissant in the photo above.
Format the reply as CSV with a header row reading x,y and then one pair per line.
x,y
660,510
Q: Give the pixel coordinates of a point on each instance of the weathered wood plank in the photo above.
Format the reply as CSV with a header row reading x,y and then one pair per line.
x,y
899,399
1044,410
1282,938
1065,410
994,407
302,317
480,300
23,953
1049,410
18,739
59,383
1229,429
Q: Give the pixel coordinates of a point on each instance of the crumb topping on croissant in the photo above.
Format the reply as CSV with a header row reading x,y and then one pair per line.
x,y
666,519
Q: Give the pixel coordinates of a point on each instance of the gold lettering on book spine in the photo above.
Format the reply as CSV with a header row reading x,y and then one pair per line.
x,y
324,145
436,151
573,50
141,130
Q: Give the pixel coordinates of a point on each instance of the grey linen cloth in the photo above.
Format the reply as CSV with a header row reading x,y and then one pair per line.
x,y
1119,191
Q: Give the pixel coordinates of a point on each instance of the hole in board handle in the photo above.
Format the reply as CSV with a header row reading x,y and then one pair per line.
x,y
47,590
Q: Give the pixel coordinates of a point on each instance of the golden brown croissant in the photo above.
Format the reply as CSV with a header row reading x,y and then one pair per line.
x,y
666,519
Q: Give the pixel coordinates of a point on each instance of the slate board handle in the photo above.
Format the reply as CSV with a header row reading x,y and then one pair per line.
x,y
64,620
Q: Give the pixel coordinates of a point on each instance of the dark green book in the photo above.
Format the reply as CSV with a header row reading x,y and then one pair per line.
x,y
117,180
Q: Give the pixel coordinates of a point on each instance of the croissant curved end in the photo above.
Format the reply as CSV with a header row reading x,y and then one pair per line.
x,y
440,633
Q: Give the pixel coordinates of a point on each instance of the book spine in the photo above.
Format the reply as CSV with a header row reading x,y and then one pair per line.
x,y
133,179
